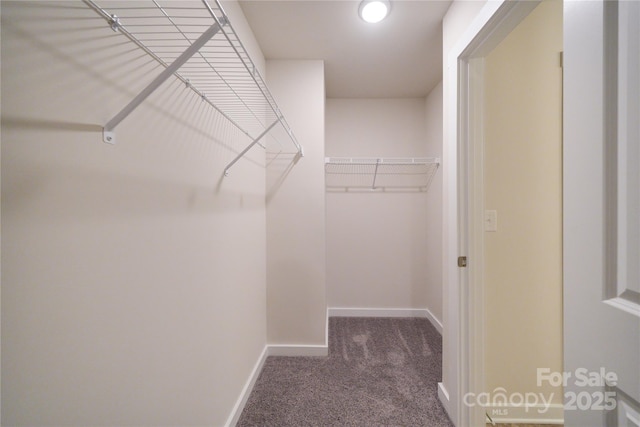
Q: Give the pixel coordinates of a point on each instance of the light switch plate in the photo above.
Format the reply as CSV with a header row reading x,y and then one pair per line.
x,y
491,221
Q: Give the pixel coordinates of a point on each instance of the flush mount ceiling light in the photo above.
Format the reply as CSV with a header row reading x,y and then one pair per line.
x,y
373,11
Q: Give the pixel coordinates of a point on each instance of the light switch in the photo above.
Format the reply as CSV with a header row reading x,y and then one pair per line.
x,y
490,220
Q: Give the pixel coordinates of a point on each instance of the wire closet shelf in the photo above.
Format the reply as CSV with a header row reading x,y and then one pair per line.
x,y
195,42
406,173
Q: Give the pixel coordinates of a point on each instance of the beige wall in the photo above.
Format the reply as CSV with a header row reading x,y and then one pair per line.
x,y
133,285
377,242
523,182
296,271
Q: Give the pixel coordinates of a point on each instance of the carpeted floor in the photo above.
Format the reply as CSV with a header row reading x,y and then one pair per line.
x,y
379,372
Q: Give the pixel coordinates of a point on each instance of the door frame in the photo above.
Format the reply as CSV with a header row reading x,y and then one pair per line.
x,y
464,147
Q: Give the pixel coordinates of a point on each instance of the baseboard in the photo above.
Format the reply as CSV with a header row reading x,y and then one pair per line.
x,y
246,390
376,312
386,312
298,350
303,349
443,396
275,350
434,320
519,414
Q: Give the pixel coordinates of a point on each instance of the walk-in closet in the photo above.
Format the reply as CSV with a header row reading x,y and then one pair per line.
x,y
258,212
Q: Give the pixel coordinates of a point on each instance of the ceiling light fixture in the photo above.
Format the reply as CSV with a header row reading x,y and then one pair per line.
x,y
373,11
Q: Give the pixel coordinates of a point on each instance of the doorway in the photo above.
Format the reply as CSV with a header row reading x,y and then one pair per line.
x,y
510,213
522,180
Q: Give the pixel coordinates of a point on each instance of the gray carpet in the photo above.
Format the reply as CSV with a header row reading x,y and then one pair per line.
x,y
379,372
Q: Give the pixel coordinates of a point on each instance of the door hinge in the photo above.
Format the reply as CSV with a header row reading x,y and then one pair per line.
x,y
462,261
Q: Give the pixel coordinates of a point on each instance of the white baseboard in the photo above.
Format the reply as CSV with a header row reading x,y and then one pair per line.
x,y
539,414
434,320
246,390
303,349
386,312
275,350
298,350
443,396
270,350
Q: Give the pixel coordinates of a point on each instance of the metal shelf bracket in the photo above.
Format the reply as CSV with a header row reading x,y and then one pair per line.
x,y
375,175
114,23
243,152
155,83
198,46
109,136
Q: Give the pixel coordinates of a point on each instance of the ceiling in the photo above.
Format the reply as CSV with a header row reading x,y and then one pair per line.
x,y
399,57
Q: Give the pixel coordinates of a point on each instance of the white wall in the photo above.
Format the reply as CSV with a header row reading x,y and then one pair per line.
x,y
433,217
456,22
523,182
133,285
296,271
0,223
376,242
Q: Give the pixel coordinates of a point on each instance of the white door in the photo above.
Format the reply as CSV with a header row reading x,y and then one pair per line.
x,y
601,213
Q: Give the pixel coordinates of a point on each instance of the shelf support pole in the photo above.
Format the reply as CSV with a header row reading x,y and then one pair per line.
x,y
108,134
375,175
255,141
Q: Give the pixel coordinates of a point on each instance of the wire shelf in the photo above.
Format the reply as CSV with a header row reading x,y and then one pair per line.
x,y
218,67
380,173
